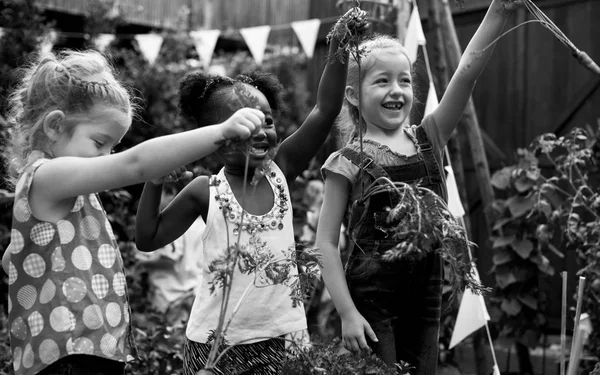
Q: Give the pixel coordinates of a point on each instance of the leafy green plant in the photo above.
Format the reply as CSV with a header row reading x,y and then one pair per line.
x,y
552,199
332,359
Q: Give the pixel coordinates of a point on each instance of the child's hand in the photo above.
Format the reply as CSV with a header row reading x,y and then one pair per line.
x,y
354,22
354,327
242,124
510,5
174,176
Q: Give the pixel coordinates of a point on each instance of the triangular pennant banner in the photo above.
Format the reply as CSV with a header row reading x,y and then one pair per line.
x,y
414,34
472,314
454,204
256,40
48,41
205,42
149,45
307,32
103,40
432,100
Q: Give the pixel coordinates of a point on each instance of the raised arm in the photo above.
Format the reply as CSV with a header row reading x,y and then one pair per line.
x,y
55,181
155,229
299,148
354,326
471,64
296,151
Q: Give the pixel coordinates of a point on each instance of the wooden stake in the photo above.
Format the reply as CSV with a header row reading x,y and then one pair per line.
x,y
469,123
575,347
563,323
441,23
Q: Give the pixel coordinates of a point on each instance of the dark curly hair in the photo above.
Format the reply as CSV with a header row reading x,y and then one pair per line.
x,y
206,99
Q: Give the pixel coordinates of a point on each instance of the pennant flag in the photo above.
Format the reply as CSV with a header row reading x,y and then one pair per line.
x,y
205,42
48,41
414,34
103,40
472,314
149,45
454,204
256,39
307,32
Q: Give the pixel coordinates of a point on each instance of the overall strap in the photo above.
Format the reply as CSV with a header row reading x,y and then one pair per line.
x,y
364,162
360,207
431,164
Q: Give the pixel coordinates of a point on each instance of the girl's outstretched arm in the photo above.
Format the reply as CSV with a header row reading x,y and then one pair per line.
x,y
354,326
299,148
471,64
55,181
155,229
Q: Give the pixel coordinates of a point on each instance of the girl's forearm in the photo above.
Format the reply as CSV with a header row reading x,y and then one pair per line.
x,y
174,150
335,280
475,58
148,217
330,93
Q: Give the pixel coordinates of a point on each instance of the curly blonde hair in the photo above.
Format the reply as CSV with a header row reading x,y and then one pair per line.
x,y
67,81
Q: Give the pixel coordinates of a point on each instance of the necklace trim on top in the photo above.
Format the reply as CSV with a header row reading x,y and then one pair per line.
x,y
233,211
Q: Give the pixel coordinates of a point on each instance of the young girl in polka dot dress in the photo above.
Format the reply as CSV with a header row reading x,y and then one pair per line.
x,y
68,308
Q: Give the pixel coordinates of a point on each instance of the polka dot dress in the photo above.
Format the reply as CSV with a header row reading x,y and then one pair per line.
x,y
67,291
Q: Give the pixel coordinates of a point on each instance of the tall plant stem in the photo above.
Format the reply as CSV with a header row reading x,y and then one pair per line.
x,y
220,332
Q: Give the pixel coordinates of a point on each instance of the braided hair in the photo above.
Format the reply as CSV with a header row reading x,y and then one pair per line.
x,y
207,99
72,82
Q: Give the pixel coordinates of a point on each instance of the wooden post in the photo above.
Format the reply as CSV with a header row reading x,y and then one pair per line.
x,y
469,123
450,49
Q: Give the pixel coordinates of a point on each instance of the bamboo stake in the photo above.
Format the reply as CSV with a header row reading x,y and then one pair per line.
x,y
563,323
575,347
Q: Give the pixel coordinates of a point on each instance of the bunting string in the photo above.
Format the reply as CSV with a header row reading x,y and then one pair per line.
x,y
204,40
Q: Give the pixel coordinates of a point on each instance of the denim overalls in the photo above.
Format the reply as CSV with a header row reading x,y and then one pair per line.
x,y
400,300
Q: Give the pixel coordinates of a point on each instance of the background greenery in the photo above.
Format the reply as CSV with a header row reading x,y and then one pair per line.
x,y
529,215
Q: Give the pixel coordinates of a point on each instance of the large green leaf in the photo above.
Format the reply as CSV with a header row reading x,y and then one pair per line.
x,y
501,179
511,306
523,248
503,256
504,279
518,205
523,184
503,241
529,301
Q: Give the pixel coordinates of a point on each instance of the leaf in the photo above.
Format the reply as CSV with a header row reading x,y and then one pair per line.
x,y
545,207
518,205
502,256
523,248
503,241
501,179
500,223
511,307
543,264
529,301
505,279
523,184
